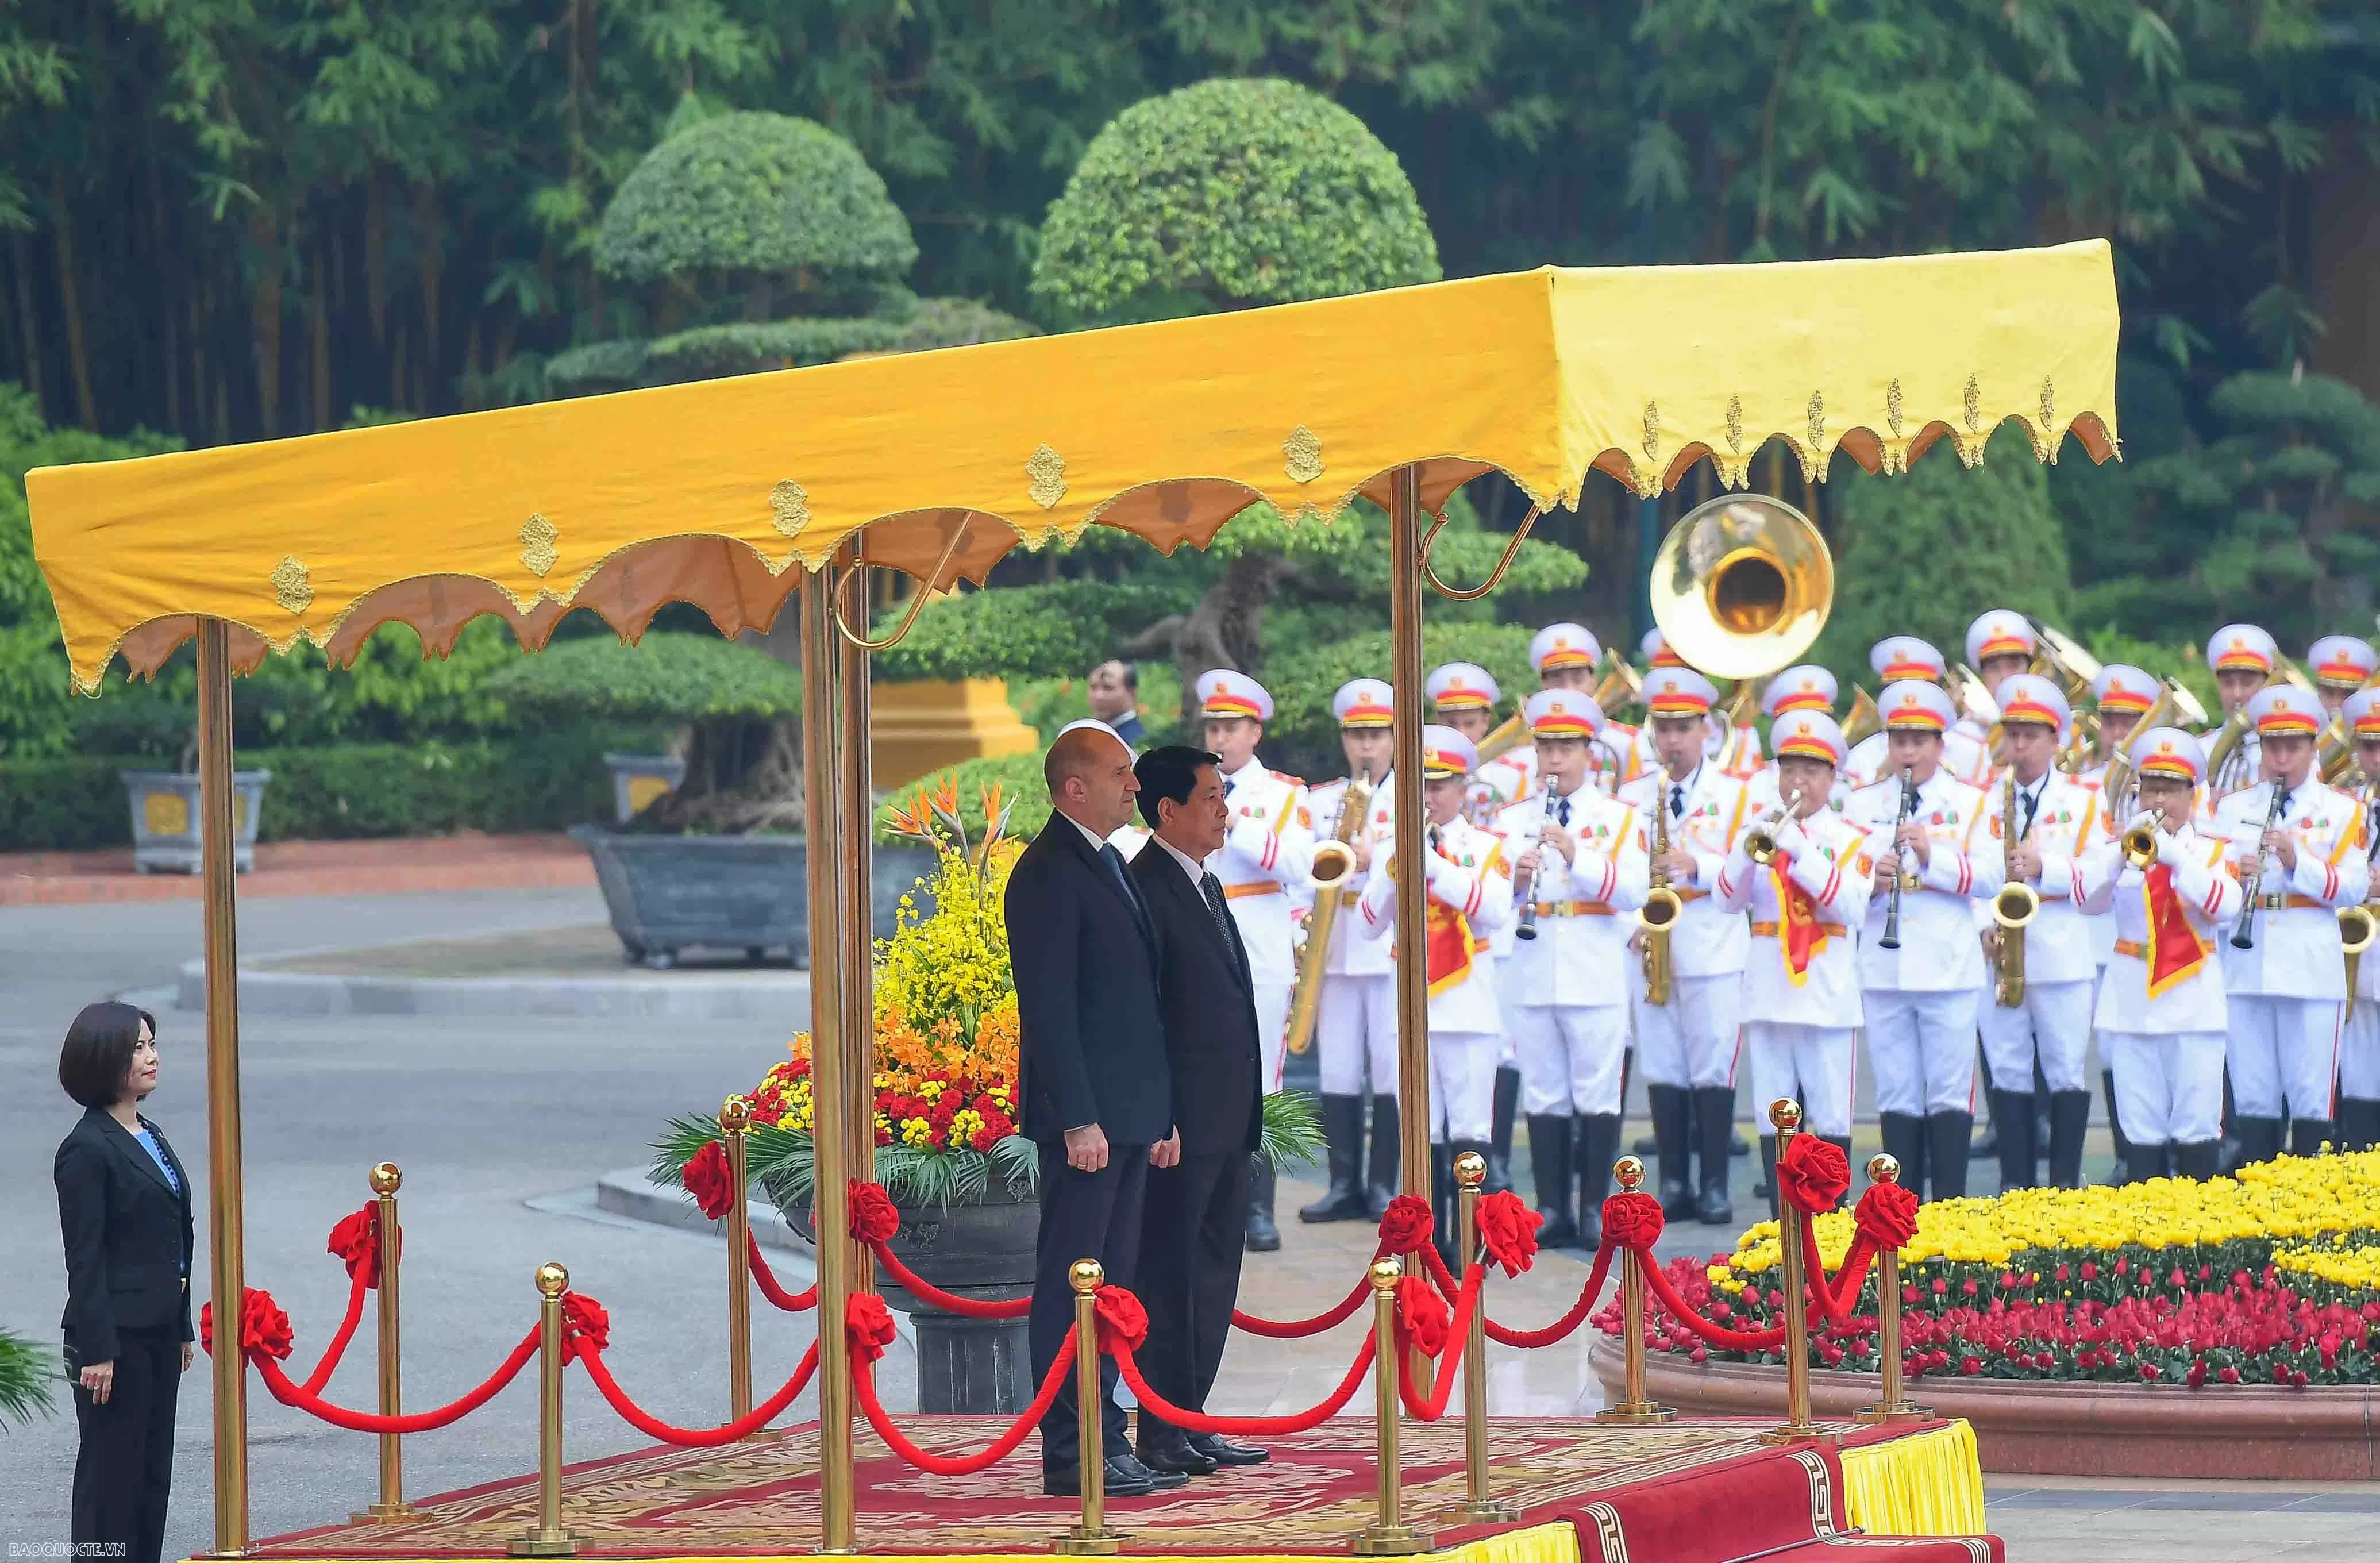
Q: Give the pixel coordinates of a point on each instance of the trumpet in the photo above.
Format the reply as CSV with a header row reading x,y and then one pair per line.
x,y
2139,840
1891,936
1659,913
2016,905
1334,861
1760,842
1527,926
2252,878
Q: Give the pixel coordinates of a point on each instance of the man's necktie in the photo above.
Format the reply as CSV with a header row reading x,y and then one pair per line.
x,y
1561,812
1211,888
2032,806
1676,800
1114,860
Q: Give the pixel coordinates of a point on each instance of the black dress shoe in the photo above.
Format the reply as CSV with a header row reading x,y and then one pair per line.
x,y
1222,1451
1123,1477
1181,1459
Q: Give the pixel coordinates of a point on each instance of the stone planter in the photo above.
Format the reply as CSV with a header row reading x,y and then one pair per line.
x,y
669,894
637,780
969,1367
166,820
2329,1434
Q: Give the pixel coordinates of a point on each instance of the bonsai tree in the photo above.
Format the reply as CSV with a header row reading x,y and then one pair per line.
x,y
759,241
734,707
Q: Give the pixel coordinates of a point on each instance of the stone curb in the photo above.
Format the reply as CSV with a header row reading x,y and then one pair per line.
x,y
777,998
628,1192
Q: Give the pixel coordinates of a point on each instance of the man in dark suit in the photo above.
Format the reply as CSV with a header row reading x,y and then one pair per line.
x,y
1099,1097
1197,1209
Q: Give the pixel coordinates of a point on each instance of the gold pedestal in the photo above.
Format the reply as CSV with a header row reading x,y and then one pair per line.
x,y
1392,1541
915,728
384,1514
542,1543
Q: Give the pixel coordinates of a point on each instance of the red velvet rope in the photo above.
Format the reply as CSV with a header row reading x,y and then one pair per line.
x,y
1717,1335
765,1279
1837,1300
1580,1310
1293,1329
651,1427
1431,1407
863,1384
301,1399
356,1287
925,1290
1243,1427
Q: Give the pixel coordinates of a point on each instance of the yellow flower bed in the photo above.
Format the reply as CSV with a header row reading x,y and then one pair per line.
x,y
2342,1261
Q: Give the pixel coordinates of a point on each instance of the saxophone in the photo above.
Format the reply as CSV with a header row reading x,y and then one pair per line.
x,y
2017,904
1334,861
1659,913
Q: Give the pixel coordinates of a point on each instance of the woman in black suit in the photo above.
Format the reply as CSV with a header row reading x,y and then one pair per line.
x,y
124,1206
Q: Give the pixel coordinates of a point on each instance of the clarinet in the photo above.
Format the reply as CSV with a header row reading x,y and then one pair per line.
x,y
2243,933
1908,811
1527,927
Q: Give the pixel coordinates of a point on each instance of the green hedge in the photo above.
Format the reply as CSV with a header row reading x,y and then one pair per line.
x,y
1019,777
1050,629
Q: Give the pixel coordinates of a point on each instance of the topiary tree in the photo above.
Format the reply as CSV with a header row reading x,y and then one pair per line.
x,y
1302,734
1227,194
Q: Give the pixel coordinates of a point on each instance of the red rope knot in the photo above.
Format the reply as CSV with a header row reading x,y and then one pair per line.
x,y
1887,1216
705,1176
1122,1320
263,1327
867,1326
1405,1225
586,1328
1813,1173
1422,1317
1632,1219
874,1216
356,1240
1509,1228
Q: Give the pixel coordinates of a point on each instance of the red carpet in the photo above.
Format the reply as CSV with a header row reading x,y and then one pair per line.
x,y
1689,1492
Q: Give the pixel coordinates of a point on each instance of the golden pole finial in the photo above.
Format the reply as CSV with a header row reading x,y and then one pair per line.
x,y
1793,1269
1090,1535
1636,1407
1387,1536
389,1242
1479,1505
547,1538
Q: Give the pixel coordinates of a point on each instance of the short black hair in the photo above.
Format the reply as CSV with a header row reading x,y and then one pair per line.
x,y
98,1051
1170,771
1131,675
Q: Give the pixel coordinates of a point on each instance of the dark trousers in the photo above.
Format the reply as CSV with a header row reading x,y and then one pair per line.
x,y
1190,1248
124,1468
1084,1216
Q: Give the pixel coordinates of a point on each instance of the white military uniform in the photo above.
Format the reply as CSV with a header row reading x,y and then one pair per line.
x,y
2359,1042
1467,876
1356,1019
2239,648
1562,992
2062,819
1694,1041
1267,859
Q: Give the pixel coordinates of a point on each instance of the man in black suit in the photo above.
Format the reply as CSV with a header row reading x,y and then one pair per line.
x,y
1099,1097
1192,1231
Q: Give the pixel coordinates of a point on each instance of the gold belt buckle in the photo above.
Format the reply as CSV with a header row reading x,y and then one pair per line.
x,y
1913,881
2279,903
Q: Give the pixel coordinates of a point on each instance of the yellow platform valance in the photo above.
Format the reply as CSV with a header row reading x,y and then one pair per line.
x,y
711,492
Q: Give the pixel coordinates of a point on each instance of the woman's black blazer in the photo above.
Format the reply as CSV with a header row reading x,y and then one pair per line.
x,y
128,1237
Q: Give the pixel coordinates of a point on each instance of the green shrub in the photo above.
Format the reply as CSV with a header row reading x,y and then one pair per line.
x,y
1019,778
1303,737
67,802
666,677
1051,629
1049,704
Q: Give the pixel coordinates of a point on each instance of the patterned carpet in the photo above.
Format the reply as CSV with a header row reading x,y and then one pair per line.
x,y
761,1499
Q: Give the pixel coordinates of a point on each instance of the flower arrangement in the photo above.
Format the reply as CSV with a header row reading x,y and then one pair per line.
x,y
2270,1276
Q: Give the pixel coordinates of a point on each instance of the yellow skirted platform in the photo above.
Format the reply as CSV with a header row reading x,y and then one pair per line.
x,y
1929,1483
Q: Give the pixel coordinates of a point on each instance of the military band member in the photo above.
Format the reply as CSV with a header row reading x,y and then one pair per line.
x,y
1463,696
2057,822
1355,1018
2244,658
2161,1014
1686,1047
1920,999
2358,1052
2123,694
1805,687
1904,657
2000,644
1735,750
1265,861
1469,888
2341,664
2287,990
1564,656
1801,998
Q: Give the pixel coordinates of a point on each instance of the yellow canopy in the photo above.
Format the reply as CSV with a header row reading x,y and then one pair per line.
x,y
709,492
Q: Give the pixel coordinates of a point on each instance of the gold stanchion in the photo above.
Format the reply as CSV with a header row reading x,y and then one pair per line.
x,y
226,1229
1895,1406
1791,1275
1090,1535
385,1180
1470,1172
1387,1536
735,1122
548,1539
1636,1408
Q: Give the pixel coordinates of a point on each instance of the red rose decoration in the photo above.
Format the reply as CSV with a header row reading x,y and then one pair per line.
x,y
586,1326
874,1218
705,1176
1887,1216
356,1239
1509,1228
1422,1317
1405,1225
1632,1219
1122,1320
264,1329
867,1326
1813,1174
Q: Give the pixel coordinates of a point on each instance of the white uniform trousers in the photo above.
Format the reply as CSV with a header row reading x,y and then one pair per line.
x,y
1463,1086
2282,1048
1692,1041
1922,1047
2169,1089
2053,1022
2359,1052
1272,1019
1356,1025
1570,1056
1815,1065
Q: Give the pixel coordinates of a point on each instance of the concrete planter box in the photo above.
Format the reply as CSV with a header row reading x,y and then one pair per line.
x,y
668,894
166,820
2328,1434
637,780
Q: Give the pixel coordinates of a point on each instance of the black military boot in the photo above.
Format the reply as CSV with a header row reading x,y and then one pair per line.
x,y
1985,1145
2358,1123
2260,1138
1673,1143
1549,1140
1381,1185
1499,1149
1904,1141
2122,1172
1714,1127
2012,1112
1263,1236
1441,1199
2197,1160
2069,1118
2308,1135
1947,1135
1594,1143
1342,1137
1767,1188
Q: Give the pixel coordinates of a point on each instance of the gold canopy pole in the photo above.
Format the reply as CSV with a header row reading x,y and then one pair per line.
x,y
831,1123
226,1240
855,763
1412,942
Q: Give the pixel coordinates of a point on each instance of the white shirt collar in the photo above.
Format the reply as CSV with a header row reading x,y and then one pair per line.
x,y
1687,781
1254,768
1190,865
1098,841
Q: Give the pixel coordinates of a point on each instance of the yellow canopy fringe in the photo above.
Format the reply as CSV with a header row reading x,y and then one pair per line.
x,y
1925,1485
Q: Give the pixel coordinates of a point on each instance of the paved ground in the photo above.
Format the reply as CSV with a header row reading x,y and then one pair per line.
x,y
444,863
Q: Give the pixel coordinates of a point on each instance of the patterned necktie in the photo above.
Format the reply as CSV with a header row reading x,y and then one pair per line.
x,y
1212,888
1561,812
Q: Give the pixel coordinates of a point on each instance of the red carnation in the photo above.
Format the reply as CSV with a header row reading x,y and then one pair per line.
x,y
874,1218
1632,1219
1813,1173
1971,1365
1509,1228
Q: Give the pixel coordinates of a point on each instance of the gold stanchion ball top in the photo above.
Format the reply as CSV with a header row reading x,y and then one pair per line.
x,y
1785,1113
1630,1171
1387,1270
734,1115
1470,1169
386,1179
1884,1168
1086,1276
552,1280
